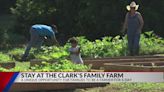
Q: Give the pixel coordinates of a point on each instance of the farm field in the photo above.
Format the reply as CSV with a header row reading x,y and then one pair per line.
x,y
107,49
97,25
101,48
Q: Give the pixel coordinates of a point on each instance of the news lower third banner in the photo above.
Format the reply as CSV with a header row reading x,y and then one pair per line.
x,y
89,77
9,78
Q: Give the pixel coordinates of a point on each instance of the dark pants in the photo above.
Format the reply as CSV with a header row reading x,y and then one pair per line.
x,y
133,43
35,41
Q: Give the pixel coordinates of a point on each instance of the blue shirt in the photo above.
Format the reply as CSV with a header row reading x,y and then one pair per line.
x,y
44,30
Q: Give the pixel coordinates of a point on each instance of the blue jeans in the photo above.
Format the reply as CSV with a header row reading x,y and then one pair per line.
x,y
133,43
35,41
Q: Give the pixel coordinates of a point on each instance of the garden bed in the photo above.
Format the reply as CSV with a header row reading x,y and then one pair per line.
x,y
7,65
97,63
34,62
159,56
135,67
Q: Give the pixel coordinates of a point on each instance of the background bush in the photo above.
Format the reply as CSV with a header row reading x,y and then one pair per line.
x,y
92,18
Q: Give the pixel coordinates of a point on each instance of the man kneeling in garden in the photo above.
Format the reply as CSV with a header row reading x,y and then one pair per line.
x,y
38,34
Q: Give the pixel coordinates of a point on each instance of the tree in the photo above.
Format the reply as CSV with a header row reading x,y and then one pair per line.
x,y
92,18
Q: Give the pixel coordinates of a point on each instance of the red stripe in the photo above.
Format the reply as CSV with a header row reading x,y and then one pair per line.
x,y
4,79
131,71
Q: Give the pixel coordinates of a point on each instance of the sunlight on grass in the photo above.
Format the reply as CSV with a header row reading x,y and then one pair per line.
x,y
128,87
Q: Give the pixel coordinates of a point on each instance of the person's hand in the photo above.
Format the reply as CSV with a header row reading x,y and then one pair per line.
x,y
56,43
122,32
45,38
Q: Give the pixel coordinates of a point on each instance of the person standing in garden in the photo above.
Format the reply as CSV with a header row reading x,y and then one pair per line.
x,y
39,33
134,24
75,51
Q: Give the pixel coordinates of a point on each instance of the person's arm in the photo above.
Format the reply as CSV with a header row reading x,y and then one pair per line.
x,y
141,22
78,51
71,52
125,23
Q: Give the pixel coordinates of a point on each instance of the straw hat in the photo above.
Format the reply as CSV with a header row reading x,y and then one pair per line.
x,y
132,4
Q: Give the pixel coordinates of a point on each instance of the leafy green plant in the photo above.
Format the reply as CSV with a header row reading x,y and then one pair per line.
x,y
51,53
111,47
62,65
151,44
106,47
3,69
4,58
17,53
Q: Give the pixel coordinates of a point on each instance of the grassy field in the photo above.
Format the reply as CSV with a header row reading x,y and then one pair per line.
x,y
127,87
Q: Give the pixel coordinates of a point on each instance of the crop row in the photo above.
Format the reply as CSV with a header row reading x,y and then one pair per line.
x,y
105,47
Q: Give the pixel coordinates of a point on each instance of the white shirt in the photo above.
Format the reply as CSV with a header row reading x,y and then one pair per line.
x,y
76,58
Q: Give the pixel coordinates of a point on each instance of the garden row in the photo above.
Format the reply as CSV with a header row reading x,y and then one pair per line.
x,y
100,48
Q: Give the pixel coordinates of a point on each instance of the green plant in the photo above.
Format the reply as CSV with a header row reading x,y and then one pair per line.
x,y
61,65
17,53
51,53
5,58
106,47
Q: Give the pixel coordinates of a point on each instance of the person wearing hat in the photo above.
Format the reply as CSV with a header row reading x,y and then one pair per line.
x,y
39,33
134,24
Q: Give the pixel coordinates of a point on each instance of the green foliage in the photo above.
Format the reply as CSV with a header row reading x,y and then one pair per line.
x,y
110,47
3,69
18,52
152,44
7,34
61,66
29,12
5,58
51,53
106,47
92,18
